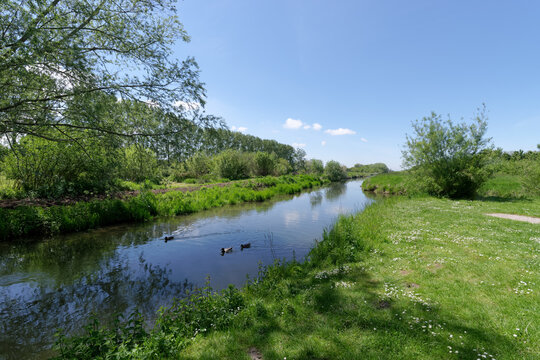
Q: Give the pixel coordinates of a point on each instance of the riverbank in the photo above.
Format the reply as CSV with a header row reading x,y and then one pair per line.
x,y
407,278
39,221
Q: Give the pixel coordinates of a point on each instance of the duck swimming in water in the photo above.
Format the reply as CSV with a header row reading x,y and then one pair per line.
x,y
226,250
245,246
167,238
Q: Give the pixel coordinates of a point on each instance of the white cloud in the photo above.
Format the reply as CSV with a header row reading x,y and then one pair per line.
x,y
317,126
187,105
323,143
299,145
363,139
293,124
239,129
306,126
340,131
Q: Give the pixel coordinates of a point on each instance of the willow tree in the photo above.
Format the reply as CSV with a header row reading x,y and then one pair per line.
x,y
63,63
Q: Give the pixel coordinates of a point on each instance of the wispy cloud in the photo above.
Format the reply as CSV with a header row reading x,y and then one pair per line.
x,y
363,139
323,143
340,131
317,126
241,129
299,145
293,124
307,126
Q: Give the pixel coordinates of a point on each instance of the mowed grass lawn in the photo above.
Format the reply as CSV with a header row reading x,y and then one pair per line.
x,y
419,278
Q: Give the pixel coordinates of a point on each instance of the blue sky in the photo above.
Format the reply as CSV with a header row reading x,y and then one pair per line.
x,y
368,68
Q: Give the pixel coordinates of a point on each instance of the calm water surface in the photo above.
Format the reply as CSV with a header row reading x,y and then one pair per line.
x,y
61,281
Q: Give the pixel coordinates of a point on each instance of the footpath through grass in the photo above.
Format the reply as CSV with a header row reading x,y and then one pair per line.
x,y
419,278
26,221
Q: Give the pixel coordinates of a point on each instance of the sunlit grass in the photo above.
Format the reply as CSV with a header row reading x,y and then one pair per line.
x,y
436,279
420,278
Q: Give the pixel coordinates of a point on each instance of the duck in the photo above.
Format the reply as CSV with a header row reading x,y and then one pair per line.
x,y
245,246
226,250
167,238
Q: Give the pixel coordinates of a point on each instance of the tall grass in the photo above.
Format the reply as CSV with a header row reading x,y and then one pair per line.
x,y
27,221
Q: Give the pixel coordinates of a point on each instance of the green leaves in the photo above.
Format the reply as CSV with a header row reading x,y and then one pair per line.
x,y
54,54
449,159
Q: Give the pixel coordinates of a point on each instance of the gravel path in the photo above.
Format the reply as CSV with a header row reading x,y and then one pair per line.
x,y
529,219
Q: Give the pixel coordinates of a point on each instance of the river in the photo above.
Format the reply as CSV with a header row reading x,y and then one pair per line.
x,y
59,282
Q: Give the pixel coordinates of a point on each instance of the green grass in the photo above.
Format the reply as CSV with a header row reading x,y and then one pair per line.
x,y
504,186
392,183
27,221
419,278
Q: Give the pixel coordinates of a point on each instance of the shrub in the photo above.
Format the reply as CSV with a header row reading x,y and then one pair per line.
x,y
53,169
334,171
199,165
232,164
449,159
315,166
140,164
265,163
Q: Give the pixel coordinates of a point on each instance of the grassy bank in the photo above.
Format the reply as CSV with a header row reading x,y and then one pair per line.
x,y
500,185
26,221
393,183
420,278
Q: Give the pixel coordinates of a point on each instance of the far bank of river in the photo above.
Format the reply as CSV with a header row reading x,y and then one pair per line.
x,y
59,282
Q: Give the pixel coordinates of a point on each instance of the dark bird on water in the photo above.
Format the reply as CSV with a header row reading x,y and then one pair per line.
x,y
167,238
245,246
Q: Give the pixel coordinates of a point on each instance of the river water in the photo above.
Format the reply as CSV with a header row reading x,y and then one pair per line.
x,y
60,282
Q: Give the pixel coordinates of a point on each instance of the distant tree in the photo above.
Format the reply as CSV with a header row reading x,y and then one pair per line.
x,y
315,166
199,165
299,160
232,164
265,163
335,171
449,158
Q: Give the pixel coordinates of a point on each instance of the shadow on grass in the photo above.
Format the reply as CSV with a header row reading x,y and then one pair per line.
x,y
324,321
503,199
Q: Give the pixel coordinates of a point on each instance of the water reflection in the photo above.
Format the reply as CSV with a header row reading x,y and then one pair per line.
x,y
316,198
60,282
335,191
31,310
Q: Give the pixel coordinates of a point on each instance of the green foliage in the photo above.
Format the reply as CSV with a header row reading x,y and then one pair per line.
x,y
27,221
359,170
140,164
199,312
265,164
58,59
52,169
394,183
199,165
232,164
531,178
315,166
449,159
335,171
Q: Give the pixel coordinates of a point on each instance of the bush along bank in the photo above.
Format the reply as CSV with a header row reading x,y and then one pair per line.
x,y
408,278
27,221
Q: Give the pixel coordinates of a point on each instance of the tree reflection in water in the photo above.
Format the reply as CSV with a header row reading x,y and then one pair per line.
x,y
335,190
30,312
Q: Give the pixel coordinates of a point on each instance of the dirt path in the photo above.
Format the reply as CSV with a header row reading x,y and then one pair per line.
x,y
529,219
13,203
